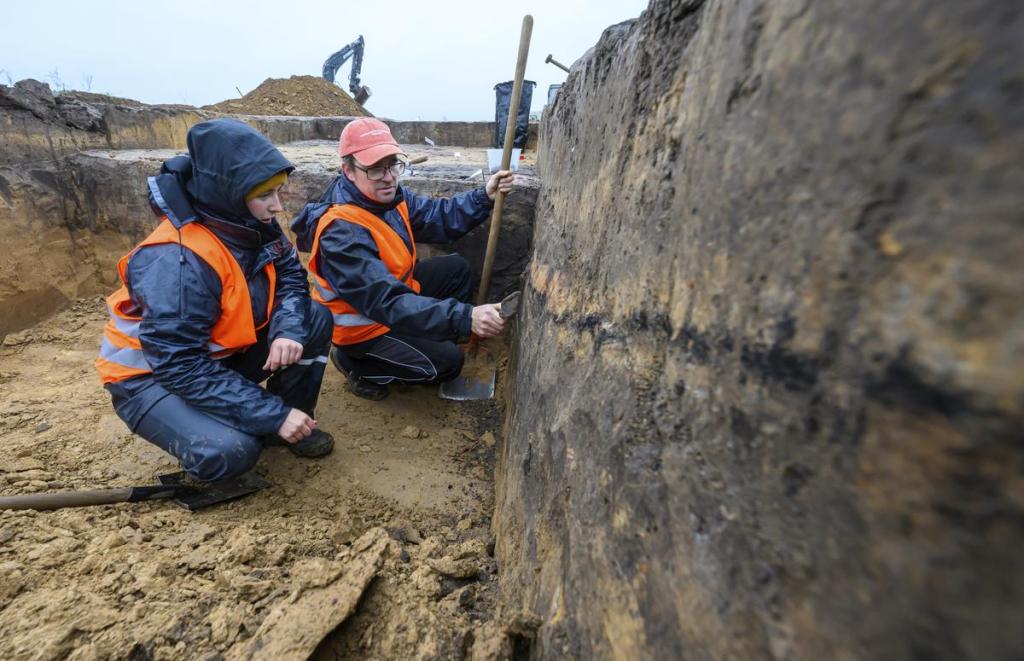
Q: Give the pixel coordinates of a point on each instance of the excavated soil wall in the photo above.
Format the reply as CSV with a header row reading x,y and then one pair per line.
x,y
37,126
768,382
72,188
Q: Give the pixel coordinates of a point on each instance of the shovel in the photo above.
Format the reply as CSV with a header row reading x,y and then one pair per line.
x,y
189,496
479,384
476,381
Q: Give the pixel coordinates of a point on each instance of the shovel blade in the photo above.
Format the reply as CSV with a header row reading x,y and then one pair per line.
x,y
464,388
212,493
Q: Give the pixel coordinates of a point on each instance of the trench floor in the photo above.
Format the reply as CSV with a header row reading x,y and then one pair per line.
x,y
151,580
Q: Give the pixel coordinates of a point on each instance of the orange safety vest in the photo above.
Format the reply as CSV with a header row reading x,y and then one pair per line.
x,y
121,354
350,326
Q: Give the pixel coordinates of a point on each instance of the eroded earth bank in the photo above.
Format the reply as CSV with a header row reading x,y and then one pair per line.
x,y
768,389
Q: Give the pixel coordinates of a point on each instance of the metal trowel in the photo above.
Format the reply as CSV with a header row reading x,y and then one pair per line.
x,y
477,378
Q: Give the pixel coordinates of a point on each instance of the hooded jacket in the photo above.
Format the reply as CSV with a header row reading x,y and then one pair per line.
x,y
178,295
351,264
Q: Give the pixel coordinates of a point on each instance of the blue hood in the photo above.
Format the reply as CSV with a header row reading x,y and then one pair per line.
x,y
227,158
340,191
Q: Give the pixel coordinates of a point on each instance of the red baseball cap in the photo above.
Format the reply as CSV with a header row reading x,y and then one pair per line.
x,y
368,140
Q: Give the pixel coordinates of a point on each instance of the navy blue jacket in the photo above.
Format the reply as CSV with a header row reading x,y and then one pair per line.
x,y
178,294
350,262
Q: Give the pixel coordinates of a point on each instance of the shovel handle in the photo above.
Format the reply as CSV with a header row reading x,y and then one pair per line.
x,y
53,501
506,157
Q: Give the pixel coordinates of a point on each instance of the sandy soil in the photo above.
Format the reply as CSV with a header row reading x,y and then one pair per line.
x,y
150,580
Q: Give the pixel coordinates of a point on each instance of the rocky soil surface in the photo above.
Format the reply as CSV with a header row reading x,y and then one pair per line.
x,y
95,97
401,506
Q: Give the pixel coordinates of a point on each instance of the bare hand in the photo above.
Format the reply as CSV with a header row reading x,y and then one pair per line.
x,y
283,352
296,426
487,321
502,180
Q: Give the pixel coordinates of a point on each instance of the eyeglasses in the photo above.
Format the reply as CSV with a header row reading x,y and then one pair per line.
x,y
377,173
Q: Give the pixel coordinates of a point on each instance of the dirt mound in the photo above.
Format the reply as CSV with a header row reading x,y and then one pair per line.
x,y
306,96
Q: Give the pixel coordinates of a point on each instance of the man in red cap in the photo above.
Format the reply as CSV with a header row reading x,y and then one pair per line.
x,y
395,318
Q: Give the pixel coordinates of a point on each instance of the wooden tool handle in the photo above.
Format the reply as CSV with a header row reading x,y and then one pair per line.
x,y
53,501
506,158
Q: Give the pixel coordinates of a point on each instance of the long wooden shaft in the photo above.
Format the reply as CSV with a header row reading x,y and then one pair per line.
x,y
506,158
53,501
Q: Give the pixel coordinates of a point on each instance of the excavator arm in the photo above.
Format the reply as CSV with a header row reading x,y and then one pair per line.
x,y
354,51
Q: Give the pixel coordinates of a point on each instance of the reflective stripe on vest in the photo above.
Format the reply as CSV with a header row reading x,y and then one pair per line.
x,y
326,293
130,327
350,325
127,356
340,319
121,355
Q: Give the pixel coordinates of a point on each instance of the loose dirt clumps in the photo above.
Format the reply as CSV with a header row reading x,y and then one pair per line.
x,y
307,96
401,509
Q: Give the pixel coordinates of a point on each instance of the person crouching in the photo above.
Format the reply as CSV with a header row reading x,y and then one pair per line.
x,y
212,303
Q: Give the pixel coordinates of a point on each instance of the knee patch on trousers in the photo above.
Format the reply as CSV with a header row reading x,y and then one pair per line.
x,y
229,457
449,363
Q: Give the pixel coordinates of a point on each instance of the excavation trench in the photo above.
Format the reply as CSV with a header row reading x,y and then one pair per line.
x,y
401,509
763,397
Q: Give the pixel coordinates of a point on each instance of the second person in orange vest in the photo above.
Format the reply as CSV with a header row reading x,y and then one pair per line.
x,y
212,303
395,318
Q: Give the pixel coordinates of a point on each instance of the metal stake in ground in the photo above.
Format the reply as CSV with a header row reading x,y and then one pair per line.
x,y
506,158
551,60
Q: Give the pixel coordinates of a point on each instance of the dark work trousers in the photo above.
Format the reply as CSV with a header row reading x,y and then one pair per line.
x,y
407,358
209,448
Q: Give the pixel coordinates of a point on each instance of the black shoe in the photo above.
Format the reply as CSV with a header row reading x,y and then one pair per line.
x,y
317,444
358,386
366,389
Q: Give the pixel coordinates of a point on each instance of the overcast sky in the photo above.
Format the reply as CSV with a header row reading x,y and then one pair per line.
x,y
430,60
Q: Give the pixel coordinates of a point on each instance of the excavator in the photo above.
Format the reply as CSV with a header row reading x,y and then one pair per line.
x,y
355,51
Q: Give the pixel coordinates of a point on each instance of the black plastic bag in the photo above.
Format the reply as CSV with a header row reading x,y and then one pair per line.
x,y
503,94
